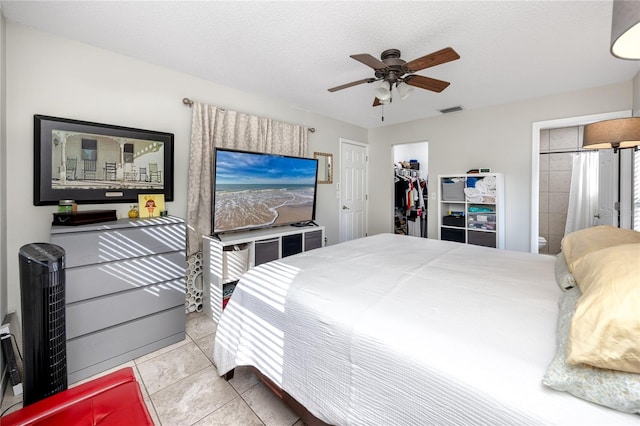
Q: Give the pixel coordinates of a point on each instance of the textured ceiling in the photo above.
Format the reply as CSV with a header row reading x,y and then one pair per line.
x,y
295,51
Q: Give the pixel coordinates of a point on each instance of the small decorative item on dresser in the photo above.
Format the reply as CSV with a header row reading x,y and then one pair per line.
x,y
150,205
67,206
133,212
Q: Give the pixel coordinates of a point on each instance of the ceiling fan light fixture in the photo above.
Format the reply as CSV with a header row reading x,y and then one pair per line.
x,y
383,92
625,29
404,90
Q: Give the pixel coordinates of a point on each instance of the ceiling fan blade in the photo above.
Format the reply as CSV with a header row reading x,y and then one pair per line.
x,y
376,102
370,61
427,83
431,60
353,83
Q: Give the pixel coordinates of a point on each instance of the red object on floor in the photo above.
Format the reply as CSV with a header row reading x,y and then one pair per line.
x,y
114,399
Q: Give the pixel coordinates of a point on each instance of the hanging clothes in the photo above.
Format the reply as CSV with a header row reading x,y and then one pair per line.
x,y
410,201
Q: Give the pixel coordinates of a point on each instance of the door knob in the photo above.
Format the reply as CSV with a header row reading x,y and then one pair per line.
x,y
345,208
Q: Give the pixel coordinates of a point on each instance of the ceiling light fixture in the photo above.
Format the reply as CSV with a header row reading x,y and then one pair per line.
x,y
617,134
383,92
625,29
404,90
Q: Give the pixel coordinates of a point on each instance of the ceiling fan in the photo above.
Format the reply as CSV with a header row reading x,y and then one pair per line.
x,y
390,69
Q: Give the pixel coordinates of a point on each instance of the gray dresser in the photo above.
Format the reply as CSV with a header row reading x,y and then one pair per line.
x,y
125,290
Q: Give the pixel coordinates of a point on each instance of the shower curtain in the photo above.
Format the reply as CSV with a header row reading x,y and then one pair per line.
x,y
583,194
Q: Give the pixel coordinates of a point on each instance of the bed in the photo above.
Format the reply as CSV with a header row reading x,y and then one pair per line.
x,y
391,329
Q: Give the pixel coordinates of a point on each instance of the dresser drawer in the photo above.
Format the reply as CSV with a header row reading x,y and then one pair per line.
x,y
85,282
84,248
102,312
94,348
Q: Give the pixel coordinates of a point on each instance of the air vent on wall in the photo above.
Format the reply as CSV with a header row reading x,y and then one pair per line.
x,y
452,109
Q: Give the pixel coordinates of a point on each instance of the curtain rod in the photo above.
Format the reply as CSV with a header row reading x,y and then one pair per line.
x,y
189,103
568,151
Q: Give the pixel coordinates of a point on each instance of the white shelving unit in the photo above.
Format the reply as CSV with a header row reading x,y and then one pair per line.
x,y
227,256
471,209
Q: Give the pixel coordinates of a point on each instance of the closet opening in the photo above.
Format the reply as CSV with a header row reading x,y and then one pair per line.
x,y
411,200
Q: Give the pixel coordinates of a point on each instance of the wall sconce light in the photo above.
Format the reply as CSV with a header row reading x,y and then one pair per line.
x,y
617,134
625,29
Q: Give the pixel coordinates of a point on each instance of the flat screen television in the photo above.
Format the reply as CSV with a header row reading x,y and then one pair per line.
x,y
257,190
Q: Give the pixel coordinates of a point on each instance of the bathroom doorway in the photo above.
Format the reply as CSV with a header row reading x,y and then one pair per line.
x,y
554,144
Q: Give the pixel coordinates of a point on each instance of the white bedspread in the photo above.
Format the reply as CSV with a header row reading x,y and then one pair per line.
x,y
396,330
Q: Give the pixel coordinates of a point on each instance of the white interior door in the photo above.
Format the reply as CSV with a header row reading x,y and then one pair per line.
x,y
353,190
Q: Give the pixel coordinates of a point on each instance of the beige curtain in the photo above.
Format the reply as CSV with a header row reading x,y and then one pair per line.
x,y
215,127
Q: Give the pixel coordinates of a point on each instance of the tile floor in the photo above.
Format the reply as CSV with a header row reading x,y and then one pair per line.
x,y
181,386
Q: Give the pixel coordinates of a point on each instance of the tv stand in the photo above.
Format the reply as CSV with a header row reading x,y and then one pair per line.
x,y
227,256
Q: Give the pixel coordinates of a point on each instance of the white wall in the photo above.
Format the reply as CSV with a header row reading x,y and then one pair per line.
x,y
54,76
3,182
412,151
497,137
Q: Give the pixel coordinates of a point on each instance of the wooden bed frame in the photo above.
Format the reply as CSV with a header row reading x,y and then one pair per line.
x,y
304,414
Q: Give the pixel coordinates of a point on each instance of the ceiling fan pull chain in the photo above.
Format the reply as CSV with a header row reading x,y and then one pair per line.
x,y
382,112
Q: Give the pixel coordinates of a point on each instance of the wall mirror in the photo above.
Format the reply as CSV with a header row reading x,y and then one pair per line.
x,y
325,167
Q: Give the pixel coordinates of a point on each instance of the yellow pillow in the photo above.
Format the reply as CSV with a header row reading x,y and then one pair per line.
x,y
605,330
579,243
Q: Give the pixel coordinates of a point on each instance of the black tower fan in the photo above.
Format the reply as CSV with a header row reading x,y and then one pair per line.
x,y
42,288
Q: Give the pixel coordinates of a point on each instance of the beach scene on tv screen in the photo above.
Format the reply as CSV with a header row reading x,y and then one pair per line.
x,y
256,190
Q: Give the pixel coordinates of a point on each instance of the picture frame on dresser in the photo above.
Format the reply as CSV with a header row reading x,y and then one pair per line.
x,y
99,163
